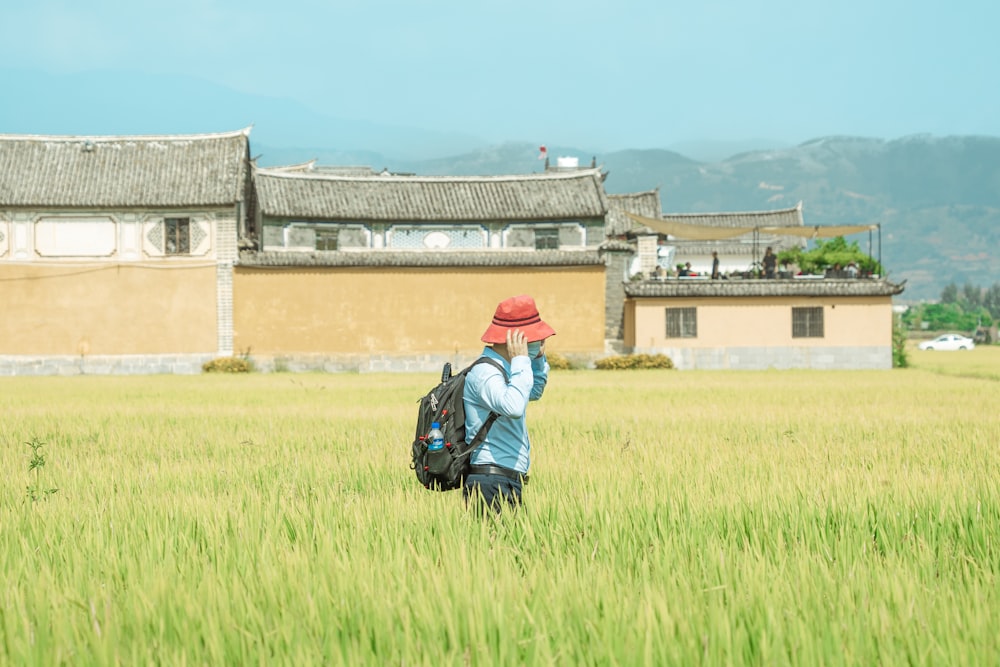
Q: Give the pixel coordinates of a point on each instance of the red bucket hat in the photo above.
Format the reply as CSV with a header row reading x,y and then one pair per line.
x,y
517,312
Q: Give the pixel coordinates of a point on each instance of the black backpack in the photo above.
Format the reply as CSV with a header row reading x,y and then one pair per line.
x,y
446,469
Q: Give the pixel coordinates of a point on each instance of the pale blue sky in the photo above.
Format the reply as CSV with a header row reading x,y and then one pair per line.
x,y
621,74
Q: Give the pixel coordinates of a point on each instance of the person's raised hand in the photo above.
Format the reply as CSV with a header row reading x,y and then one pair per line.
x,y
517,344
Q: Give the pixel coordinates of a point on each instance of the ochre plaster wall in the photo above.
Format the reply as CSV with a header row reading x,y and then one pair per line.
x,y
81,309
407,311
763,322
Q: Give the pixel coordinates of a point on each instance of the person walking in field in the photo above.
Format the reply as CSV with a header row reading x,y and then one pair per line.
x,y
499,466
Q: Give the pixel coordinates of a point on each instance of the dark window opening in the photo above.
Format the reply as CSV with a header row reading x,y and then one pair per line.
x,y
546,239
807,322
178,236
682,322
326,239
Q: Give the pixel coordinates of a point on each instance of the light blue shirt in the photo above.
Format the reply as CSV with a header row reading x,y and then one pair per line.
x,y
507,442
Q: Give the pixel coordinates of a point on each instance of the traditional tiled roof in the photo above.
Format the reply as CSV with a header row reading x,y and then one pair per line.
x,y
392,198
123,171
646,204
694,287
788,217
455,258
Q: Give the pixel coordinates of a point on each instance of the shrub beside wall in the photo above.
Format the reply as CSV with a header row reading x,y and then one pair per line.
x,y
227,365
557,362
633,362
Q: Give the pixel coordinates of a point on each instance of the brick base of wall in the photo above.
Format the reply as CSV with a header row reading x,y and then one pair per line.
x,y
426,363
764,358
180,364
137,364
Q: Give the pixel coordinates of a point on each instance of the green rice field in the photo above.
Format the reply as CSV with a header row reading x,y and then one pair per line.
x,y
672,518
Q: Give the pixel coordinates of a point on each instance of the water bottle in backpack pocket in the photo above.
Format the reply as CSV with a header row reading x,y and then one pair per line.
x,y
438,456
440,452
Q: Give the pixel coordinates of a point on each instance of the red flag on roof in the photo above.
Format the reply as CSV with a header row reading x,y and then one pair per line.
x,y
542,152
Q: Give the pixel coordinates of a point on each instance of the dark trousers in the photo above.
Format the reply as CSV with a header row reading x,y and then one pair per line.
x,y
491,491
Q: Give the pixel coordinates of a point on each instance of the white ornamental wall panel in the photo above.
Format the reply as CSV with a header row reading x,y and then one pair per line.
x,y
575,234
201,237
129,233
465,237
20,241
4,237
76,237
152,238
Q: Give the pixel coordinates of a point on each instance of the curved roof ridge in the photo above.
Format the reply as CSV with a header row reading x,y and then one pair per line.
x,y
632,195
299,167
283,172
126,137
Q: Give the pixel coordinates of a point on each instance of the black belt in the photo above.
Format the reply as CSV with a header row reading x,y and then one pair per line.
x,y
497,470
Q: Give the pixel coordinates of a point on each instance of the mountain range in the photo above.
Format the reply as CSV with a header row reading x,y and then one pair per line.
x,y
936,199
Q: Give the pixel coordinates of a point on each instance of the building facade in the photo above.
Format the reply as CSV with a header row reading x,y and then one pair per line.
x,y
116,253
154,254
761,324
383,271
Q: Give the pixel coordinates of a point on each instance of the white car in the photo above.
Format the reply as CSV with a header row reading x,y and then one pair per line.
x,y
948,342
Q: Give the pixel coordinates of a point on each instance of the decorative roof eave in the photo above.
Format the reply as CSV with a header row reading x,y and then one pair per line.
x,y
646,204
649,198
417,258
617,245
695,287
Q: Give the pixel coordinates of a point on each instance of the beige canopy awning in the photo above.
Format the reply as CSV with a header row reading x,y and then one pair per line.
x,y
706,233
819,232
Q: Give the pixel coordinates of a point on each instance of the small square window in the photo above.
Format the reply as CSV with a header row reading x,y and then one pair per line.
x,y
326,239
177,239
807,322
682,322
546,239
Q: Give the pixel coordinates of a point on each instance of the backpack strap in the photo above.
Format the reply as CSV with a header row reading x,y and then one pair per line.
x,y
481,434
492,362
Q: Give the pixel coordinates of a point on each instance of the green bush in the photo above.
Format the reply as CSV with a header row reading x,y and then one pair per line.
x,y
227,365
900,334
558,362
947,317
634,361
825,254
